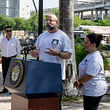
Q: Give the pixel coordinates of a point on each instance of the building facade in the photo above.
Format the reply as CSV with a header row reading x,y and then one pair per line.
x,y
15,8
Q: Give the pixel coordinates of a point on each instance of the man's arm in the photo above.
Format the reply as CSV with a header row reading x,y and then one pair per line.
x,y
54,52
64,55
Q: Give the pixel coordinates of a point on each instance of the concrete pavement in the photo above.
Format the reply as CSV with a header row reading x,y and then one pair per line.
x,y
104,105
5,103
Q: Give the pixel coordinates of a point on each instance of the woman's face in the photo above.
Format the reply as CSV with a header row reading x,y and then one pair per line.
x,y
88,45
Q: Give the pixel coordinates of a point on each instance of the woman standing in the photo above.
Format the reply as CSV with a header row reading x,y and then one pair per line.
x,y
91,74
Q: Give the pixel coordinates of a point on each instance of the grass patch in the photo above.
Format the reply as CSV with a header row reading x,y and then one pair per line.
x,y
72,98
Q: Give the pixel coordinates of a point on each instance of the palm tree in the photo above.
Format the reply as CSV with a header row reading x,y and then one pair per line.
x,y
66,24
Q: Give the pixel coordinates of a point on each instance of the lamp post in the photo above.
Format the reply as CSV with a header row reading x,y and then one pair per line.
x,y
40,24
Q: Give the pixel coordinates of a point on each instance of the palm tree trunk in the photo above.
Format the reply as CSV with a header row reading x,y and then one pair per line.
x,y
66,24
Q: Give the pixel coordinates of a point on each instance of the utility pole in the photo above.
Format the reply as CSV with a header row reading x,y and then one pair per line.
x,y
40,24
40,17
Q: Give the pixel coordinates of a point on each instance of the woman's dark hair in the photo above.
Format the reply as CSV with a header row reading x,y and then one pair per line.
x,y
95,38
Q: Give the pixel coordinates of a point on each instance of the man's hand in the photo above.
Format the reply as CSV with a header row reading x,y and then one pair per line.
x,y
34,53
52,52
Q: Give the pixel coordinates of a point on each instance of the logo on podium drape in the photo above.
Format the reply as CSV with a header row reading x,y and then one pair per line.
x,y
16,73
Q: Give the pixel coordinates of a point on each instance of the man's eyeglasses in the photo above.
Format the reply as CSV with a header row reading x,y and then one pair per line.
x,y
8,30
50,20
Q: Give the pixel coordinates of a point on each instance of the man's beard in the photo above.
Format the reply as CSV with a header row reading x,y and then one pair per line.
x,y
50,27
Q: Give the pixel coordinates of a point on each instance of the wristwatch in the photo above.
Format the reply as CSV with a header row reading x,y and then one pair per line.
x,y
59,53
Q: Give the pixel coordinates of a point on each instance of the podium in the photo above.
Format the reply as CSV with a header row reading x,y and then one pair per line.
x,y
34,84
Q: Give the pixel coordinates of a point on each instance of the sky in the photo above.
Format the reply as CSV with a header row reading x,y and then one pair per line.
x,y
46,4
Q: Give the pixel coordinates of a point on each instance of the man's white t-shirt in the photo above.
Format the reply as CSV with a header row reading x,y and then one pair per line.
x,y
93,66
60,41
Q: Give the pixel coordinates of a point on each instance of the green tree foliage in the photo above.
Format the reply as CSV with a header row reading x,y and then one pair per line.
x,y
88,22
4,21
77,21
10,22
96,23
106,63
80,51
78,40
34,22
100,23
86,31
27,25
19,24
31,24
44,19
107,22
56,12
103,22
16,23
